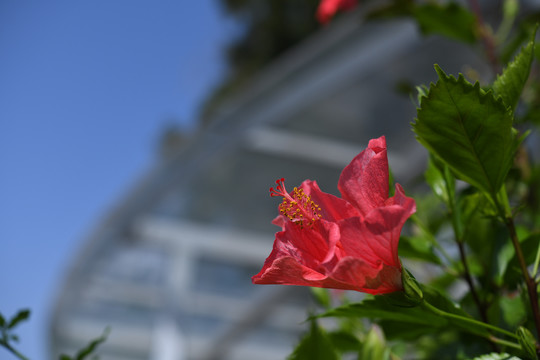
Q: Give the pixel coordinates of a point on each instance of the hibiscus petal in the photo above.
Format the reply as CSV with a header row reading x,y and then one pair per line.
x,y
332,207
377,236
399,198
309,247
363,277
328,8
356,240
287,270
388,221
280,221
364,182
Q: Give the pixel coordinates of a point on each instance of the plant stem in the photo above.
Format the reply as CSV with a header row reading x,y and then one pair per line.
x,y
468,279
459,318
503,207
504,342
536,262
13,350
458,236
487,38
529,281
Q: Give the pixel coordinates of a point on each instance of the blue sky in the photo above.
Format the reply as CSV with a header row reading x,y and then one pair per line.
x,y
86,88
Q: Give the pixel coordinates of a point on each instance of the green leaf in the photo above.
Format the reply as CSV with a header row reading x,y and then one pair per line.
x,y
83,353
520,33
469,130
441,302
436,179
510,8
21,315
2,320
385,307
485,236
418,247
423,244
513,274
450,20
495,356
443,184
64,357
396,8
316,345
344,341
509,85
422,92
513,310
404,331
412,291
381,308
322,296
527,342
506,256
374,347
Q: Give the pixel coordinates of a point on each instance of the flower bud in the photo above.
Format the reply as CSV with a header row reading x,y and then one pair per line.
x,y
527,342
412,289
411,295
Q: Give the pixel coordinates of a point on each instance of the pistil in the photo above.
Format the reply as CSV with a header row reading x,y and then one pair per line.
x,y
296,206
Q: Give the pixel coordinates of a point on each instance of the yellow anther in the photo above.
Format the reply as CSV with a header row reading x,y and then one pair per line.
x,y
296,206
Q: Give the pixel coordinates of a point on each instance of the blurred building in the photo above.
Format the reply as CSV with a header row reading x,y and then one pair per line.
x,y
169,269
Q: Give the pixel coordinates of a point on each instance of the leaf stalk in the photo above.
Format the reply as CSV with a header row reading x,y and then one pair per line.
x,y
471,321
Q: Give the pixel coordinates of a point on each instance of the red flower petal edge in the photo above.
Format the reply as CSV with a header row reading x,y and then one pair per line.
x,y
328,8
347,243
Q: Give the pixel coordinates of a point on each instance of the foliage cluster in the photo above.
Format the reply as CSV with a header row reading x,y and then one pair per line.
x,y
477,232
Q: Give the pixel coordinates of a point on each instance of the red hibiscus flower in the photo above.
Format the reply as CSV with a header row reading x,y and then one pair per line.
x,y
347,243
328,8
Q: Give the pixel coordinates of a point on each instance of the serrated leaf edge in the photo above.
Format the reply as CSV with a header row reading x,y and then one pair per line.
x,y
513,64
483,96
